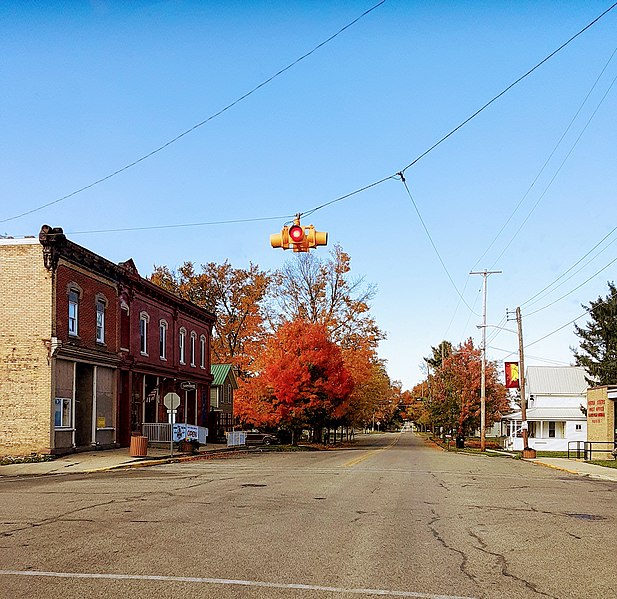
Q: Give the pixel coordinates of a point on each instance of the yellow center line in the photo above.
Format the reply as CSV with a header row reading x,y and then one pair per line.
x,y
368,454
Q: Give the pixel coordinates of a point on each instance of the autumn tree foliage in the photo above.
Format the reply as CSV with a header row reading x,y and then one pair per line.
x,y
302,380
454,400
238,298
323,291
374,398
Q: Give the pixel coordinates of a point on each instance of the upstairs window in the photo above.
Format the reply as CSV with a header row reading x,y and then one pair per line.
x,y
125,327
73,312
193,342
163,340
202,350
101,304
144,319
182,346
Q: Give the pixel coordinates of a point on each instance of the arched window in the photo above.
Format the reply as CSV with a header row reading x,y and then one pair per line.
x,y
101,306
144,319
163,339
193,344
74,293
202,351
182,345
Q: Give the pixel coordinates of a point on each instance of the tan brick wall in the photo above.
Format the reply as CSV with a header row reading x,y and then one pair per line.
x,y
600,418
25,335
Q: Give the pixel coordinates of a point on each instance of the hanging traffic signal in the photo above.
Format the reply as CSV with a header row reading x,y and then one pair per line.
x,y
298,238
296,234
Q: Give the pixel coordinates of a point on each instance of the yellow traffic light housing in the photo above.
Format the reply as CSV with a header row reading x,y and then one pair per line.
x,y
298,238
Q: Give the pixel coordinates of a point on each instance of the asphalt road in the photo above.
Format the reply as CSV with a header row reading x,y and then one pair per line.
x,y
392,517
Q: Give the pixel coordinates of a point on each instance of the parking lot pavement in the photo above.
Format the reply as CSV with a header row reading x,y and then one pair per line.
x,y
95,461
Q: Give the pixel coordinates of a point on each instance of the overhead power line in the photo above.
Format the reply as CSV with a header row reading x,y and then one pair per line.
x,y
365,187
200,124
507,89
567,156
546,162
433,244
540,294
575,289
413,162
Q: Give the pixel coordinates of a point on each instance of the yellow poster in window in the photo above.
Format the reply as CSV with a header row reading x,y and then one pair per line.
x,y
100,422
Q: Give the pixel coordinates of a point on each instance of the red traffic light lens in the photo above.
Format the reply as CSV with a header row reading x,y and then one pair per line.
x,y
296,233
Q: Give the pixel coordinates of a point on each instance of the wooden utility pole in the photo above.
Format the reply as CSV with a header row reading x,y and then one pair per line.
x,y
484,274
521,378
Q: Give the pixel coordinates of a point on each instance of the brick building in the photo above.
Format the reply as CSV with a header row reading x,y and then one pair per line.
x,y
88,348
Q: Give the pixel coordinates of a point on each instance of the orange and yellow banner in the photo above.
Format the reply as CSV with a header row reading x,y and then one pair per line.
x,y
512,378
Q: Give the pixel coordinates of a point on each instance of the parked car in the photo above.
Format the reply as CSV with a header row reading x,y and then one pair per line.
x,y
259,438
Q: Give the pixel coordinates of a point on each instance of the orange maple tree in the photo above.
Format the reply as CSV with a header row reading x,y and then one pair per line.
x,y
236,296
454,400
302,380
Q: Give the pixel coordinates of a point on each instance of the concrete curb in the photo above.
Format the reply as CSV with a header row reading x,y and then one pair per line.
x,y
170,460
555,467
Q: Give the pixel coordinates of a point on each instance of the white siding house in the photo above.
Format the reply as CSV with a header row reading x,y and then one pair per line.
x,y
555,396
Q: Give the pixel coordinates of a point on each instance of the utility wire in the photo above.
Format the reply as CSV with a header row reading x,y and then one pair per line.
x,y
417,159
593,114
207,120
543,295
563,135
181,225
433,244
507,89
357,191
573,290
557,330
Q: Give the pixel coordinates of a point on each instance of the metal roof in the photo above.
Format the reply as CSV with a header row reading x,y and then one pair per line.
x,y
220,372
549,414
556,380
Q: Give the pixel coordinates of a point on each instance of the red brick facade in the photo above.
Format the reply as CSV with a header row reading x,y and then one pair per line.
x,y
91,384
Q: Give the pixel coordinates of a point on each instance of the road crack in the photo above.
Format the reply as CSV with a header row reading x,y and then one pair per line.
x,y
503,563
442,541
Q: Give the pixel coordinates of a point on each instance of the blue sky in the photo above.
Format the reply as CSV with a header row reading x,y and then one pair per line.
x,y
89,87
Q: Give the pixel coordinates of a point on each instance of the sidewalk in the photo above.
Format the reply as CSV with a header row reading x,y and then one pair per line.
x,y
578,467
102,460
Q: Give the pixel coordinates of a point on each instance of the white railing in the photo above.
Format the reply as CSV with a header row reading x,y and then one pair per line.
x,y
235,438
160,432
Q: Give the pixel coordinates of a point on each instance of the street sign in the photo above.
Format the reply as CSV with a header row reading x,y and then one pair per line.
x,y
171,401
186,386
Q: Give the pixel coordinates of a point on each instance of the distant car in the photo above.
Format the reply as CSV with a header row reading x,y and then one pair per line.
x,y
259,438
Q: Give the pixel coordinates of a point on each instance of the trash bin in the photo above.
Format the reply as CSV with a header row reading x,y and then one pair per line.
x,y
139,446
460,442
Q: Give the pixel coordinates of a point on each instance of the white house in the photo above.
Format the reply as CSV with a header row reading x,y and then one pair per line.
x,y
556,407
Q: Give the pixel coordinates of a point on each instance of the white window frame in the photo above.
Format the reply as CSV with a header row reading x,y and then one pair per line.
x,y
202,349
61,402
101,307
193,345
182,346
73,311
144,319
163,339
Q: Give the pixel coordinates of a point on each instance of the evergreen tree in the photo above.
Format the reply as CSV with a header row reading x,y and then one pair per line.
x,y
598,346
440,353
